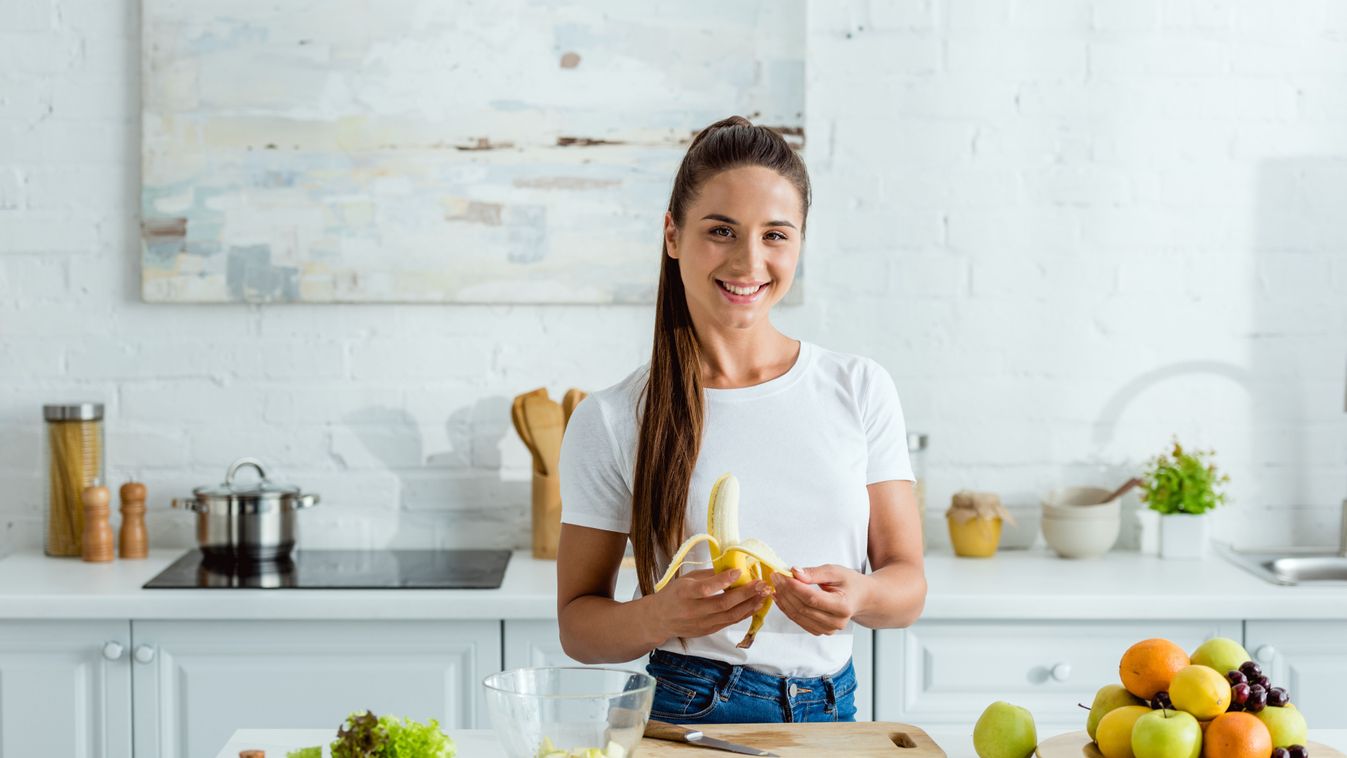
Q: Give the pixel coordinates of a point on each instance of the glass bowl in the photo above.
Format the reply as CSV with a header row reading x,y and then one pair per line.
x,y
569,710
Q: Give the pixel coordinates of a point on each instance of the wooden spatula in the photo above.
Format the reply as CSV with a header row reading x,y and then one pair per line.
x,y
521,425
546,423
568,403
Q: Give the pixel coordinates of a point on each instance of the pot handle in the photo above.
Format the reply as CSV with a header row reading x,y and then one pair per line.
x,y
240,463
307,500
187,503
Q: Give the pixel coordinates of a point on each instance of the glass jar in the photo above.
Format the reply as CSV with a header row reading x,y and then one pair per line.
x,y
74,453
916,453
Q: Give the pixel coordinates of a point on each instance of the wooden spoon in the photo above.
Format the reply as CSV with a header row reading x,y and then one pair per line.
x,y
568,403
521,425
1127,485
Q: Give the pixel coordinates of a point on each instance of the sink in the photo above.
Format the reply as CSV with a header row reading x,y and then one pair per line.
x,y
1291,566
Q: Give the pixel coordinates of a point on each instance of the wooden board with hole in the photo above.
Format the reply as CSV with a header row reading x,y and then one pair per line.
x,y
861,739
1077,744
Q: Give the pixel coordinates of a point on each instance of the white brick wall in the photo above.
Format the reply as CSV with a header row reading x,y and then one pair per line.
x,y
1068,229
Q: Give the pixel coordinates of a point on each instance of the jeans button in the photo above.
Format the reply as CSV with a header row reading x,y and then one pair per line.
x,y
793,690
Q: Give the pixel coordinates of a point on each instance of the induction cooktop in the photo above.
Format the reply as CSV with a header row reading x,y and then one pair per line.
x,y
342,570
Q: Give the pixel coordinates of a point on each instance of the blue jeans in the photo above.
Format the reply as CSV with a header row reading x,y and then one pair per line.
x,y
694,690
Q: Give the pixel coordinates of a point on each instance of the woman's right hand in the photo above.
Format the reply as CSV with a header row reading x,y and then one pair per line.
x,y
699,603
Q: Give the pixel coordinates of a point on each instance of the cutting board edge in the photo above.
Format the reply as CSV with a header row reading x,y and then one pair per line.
x,y
926,747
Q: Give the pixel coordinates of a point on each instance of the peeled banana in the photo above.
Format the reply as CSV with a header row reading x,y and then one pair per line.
x,y
754,559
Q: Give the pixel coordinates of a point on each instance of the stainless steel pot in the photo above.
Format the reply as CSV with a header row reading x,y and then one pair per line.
x,y
249,522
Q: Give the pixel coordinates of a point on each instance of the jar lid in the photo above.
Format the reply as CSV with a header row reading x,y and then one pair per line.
x,y
916,441
73,412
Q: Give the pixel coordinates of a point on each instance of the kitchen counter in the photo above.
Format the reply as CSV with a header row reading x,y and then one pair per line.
x,y
482,743
1032,584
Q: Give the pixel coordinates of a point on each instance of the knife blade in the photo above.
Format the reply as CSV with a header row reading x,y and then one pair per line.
x,y
661,730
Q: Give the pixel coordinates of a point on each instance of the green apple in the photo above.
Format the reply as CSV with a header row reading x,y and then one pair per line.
x,y
1221,653
1286,724
1005,731
1167,734
1108,698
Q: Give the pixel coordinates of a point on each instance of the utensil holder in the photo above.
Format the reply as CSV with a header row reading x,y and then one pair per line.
x,y
546,514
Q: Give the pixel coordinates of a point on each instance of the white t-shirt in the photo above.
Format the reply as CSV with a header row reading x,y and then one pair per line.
x,y
803,446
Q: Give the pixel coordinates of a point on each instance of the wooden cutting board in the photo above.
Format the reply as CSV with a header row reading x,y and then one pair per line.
x,y
1077,744
861,739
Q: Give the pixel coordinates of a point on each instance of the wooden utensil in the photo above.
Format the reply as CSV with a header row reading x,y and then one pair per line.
x,y
521,425
1077,744
1127,485
545,422
861,739
568,403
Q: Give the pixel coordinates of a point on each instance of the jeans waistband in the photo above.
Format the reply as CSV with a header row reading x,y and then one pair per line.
x,y
727,675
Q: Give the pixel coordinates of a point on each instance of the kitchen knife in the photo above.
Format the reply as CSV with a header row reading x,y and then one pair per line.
x,y
660,730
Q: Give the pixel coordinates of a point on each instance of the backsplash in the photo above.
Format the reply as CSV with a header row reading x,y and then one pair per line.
x,y
1067,234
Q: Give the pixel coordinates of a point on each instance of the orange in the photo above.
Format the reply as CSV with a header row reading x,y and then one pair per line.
x,y
1236,735
1150,665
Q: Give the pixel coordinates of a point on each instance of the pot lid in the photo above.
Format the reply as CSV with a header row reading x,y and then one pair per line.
x,y
262,488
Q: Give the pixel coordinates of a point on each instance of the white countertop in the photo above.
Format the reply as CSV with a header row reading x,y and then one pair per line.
x,y
1015,584
482,743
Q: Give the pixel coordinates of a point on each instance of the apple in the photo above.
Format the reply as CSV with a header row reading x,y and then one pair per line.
x,y
1005,731
1167,734
1286,724
1109,697
1221,653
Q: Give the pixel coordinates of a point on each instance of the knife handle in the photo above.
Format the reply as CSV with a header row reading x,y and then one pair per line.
x,y
662,730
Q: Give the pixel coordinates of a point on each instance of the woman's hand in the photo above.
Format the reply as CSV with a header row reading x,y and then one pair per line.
x,y
825,608
699,603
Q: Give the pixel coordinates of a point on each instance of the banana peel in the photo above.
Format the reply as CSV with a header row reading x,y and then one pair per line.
x,y
755,560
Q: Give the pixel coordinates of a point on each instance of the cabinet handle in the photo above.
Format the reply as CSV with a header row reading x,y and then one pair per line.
x,y
113,650
1265,653
144,654
1061,672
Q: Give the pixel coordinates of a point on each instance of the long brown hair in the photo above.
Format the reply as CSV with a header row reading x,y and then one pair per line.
x,y
671,425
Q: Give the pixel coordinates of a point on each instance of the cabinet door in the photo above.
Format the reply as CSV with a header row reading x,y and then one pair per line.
x,y
65,689
538,643
198,681
947,672
1309,659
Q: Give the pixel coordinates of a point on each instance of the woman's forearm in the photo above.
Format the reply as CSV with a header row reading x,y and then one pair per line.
x,y
895,597
597,629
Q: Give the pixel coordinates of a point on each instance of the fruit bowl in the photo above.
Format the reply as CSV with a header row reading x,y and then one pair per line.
x,y
589,712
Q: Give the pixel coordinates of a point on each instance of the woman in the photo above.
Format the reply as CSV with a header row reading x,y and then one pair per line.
x,y
816,439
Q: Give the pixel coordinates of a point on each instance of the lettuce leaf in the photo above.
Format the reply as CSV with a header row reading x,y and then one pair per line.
x,y
409,739
306,752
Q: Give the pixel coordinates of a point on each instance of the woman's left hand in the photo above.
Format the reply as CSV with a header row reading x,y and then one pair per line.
x,y
821,599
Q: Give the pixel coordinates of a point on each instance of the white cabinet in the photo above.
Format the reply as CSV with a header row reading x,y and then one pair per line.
x,y
1309,659
197,681
946,672
65,689
538,643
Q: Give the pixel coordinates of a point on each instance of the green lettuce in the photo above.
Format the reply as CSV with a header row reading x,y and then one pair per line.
x,y
365,735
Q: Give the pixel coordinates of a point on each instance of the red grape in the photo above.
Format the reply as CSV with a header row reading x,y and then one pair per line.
x,y
1281,752
1257,699
1251,669
1277,697
1239,694
1299,751
1236,677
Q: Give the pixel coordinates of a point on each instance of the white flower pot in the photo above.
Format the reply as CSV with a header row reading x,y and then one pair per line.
x,y
1183,536
1148,531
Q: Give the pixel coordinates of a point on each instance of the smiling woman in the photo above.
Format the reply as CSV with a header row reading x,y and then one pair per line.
x,y
815,438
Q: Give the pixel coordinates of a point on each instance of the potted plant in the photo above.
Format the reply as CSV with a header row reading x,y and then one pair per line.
x,y
1182,486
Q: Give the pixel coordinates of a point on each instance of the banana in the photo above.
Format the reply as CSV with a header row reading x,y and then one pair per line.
x,y
754,559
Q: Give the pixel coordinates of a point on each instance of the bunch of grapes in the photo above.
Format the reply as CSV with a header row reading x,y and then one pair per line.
x,y
1295,751
1251,691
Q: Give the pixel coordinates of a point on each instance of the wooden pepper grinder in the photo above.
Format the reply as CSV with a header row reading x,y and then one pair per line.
x,y
98,540
133,542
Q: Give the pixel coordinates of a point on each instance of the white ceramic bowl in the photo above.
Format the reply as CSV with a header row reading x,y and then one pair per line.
x,y
572,708
1081,503
1080,537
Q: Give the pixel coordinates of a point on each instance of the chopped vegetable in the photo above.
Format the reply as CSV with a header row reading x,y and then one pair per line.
x,y
548,749
369,736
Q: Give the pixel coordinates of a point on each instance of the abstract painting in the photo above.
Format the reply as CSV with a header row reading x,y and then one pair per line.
x,y
437,151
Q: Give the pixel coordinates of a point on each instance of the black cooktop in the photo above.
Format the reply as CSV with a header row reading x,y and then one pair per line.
x,y
342,570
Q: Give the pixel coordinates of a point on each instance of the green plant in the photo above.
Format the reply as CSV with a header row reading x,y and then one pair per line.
x,y
1183,482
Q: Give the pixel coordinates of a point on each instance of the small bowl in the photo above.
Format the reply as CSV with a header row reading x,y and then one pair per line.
x,y
1081,502
1080,538
573,708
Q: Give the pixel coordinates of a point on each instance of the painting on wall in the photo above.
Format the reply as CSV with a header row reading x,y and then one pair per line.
x,y
518,151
